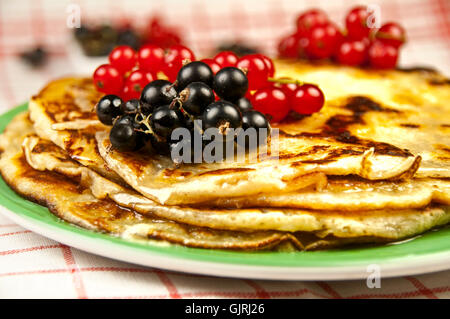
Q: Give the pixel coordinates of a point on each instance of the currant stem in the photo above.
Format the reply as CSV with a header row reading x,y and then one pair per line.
x,y
174,84
285,81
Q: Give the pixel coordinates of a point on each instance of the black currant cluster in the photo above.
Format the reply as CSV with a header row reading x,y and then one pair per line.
x,y
165,106
35,57
99,41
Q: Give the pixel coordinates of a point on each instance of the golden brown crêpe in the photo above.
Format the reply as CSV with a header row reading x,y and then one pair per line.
x,y
371,166
384,224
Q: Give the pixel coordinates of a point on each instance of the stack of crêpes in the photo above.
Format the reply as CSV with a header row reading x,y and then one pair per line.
x,y
371,167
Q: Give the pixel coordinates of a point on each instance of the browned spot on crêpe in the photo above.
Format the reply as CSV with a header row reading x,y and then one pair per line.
x,y
330,156
175,173
311,151
64,106
410,125
438,82
137,162
225,171
75,135
358,105
420,69
43,147
45,178
337,127
65,110
361,104
443,152
111,210
442,147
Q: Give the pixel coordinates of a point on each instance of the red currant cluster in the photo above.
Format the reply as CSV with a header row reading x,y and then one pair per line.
x,y
273,97
317,37
128,71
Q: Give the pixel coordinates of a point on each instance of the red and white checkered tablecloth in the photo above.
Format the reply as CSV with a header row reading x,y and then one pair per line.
x,y
32,266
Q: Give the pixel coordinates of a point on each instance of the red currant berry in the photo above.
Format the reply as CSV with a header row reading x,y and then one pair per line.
x,y
151,58
174,59
107,79
212,64
307,99
134,84
356,23
289,47
382,56
287,88
392,34
226,58
323,41
123,58
310,19
256,70
352,52
272,102
269,64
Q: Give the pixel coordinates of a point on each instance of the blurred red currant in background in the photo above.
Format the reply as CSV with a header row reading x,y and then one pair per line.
x,y
352,52
309,19
391,33
323,41
356,22
289,47
383,56
161,35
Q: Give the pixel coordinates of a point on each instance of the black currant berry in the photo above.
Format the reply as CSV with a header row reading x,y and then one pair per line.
x,y
164,120
155,94
244,104
131,107
188,122
159,146
196,97
130,119
124,137
222,115
108,108
230,84
256,120
196,71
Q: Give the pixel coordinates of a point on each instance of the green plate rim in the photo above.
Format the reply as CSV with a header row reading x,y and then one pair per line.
x,y
432,243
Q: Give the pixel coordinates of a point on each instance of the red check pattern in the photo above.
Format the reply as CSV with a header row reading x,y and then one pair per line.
x,y
32,266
